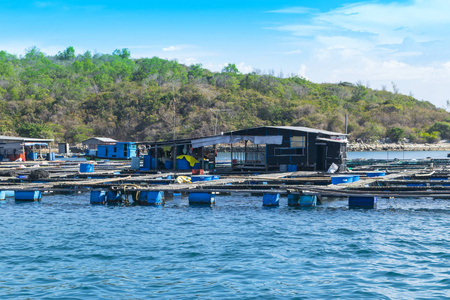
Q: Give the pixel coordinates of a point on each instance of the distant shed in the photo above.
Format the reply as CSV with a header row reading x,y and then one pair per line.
x,y
92,143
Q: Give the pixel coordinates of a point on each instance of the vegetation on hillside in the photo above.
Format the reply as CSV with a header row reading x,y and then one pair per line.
x,y
72,97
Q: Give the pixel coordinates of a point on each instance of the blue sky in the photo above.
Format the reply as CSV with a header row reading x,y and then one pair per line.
x,y
376,43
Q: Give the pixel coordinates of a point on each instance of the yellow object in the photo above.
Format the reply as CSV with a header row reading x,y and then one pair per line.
x,y
192,161
183,179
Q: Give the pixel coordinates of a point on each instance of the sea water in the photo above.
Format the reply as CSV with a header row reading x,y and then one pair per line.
x,y
389,155
65,248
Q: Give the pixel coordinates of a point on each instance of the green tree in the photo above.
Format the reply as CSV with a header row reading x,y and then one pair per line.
x,y
124,53
68,54
395,134
231,68
35,130
196,70
442,127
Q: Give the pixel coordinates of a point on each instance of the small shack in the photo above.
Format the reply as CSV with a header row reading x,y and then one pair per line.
x,y
119,150
92,143
282,148
22,148
287,148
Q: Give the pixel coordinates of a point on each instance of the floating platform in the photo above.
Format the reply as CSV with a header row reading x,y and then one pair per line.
x,y
117,183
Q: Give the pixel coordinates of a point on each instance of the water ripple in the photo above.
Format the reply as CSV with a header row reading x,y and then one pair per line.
x,y
65,248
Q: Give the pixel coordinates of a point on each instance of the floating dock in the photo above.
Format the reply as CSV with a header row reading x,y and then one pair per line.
x,y
117,183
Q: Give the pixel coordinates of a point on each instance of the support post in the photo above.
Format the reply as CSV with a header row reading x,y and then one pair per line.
x,y
174,156
156,157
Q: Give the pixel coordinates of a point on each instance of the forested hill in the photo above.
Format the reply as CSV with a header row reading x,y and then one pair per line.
x,y
71,98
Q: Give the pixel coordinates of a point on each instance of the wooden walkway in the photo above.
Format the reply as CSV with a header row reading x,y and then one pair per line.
x,y
65,178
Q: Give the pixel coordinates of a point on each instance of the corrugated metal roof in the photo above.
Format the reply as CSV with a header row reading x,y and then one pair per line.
x,y
296,128
23,139
307,129
331,140
101,139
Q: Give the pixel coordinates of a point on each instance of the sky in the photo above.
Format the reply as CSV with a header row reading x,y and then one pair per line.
x,y
401,45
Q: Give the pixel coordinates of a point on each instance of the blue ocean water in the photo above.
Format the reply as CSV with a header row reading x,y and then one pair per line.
x,y
65,248
389,155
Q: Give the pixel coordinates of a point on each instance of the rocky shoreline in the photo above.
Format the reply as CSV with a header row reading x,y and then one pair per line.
x,y
398,147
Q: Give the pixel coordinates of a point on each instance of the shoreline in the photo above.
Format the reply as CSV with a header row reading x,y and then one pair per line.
x,y
360,147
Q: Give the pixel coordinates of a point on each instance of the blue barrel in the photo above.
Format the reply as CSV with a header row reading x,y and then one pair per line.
x,y
113,197
168,165
375,174
149,162
27,195
271,199
292,168
86,168
151,198
308,200
183,164
201,198
195,178
362,202
32,156
98,197
341,179
51,156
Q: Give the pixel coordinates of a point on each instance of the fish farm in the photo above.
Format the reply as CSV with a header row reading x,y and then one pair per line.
x,y
117,183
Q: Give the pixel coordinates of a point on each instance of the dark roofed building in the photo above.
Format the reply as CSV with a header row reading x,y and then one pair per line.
x,y
92,143
302,147
271,148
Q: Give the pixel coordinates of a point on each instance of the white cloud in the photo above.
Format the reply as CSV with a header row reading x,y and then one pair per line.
x,y
298,51
243,68
382,43
190,61
302,72
171,48
293,10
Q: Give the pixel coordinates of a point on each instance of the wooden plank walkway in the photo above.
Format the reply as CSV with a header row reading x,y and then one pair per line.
x,y
65,177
